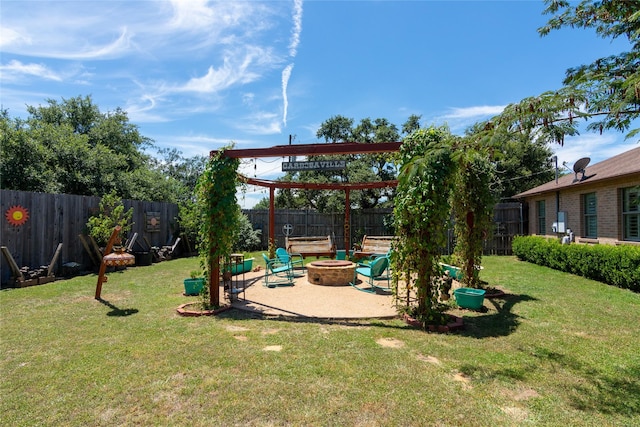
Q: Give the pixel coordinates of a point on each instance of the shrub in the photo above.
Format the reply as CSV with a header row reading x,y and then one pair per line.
x,y
111,213
247,239
613,265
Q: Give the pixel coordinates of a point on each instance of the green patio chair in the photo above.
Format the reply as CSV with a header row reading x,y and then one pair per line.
x,y
290,258
277,273
375,274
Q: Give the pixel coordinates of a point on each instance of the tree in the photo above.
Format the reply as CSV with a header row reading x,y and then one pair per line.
x,y
522,161
71,147
262,204
335,129
247,238
110,215
412,124
360,168
605,92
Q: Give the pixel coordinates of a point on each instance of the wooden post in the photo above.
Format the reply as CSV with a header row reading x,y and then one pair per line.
x,y
214,281
88,249
103,266
54,260
347,231
96,248
272,216
12,264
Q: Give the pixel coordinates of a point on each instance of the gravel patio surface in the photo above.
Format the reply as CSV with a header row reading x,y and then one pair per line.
x,y
306,300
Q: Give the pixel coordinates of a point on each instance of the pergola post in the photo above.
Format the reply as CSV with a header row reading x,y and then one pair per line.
x,y
347,213
272,216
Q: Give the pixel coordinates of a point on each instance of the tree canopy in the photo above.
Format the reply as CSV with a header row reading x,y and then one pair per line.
x,y
606,93
72,147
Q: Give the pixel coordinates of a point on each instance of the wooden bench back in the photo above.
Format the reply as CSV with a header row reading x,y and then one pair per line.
x,y
377,244
311,246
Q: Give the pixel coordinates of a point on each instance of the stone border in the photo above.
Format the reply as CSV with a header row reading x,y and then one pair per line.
x,y
183,311
454,324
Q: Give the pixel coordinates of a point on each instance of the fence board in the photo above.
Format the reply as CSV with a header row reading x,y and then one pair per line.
x,y
59,218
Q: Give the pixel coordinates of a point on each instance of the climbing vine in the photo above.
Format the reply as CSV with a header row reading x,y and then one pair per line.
x,y
472,200
421,214
217,203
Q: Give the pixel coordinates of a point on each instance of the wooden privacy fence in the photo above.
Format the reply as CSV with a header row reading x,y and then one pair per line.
x,y
507,218
312,223
60,218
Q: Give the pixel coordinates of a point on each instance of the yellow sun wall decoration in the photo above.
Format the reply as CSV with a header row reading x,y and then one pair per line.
x,y
17,215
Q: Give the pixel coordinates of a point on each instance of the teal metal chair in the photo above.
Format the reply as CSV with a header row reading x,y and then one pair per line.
x,y
294,259
375,274
277,273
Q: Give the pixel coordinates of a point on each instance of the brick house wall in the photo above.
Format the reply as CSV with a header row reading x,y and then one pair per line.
x,y
606,180
608,210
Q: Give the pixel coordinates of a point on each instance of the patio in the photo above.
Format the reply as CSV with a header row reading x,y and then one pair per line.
x,y
305,300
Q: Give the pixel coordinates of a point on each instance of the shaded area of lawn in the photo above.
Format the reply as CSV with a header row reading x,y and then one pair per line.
x,y
499,320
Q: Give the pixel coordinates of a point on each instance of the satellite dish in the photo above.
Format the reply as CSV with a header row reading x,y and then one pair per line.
x,y
580,167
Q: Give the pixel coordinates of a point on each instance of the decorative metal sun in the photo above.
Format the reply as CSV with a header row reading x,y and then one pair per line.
x,y
17,215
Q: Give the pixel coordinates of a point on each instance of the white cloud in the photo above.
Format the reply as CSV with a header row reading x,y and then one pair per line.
x,y
240,67
286,74
595,146
15,70
474,112
191,14
260,123
460,118
12,37
297,28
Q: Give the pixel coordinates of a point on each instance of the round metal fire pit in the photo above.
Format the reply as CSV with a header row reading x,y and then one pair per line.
x,y
330,272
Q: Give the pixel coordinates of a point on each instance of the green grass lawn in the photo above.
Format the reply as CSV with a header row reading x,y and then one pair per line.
x,y
559,351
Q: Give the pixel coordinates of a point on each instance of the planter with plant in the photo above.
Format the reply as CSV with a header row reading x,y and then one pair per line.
x,y
195,284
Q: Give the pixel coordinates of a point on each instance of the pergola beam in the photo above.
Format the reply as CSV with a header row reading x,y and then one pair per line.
x,y
336,148
318,185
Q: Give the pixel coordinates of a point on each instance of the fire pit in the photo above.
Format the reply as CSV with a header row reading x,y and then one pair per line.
x,y
330,272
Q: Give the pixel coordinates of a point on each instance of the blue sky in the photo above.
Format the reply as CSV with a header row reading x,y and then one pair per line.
x,y
197,75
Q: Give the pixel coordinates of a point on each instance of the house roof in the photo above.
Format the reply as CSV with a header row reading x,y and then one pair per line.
x,y
627,163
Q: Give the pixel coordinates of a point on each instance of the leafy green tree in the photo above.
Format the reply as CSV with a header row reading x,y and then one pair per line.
x,y
606,92
262,204
360,168
23,160
111,214
521,160
247,238
336,129
71,147
412,124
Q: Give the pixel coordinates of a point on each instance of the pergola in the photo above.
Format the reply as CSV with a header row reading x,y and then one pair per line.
x,y
340,148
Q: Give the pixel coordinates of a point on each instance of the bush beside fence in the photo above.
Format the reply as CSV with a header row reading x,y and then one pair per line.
x,y
613,265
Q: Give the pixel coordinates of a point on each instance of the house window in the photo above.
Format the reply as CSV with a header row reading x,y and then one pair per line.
x,y
542,217
631,214
590,215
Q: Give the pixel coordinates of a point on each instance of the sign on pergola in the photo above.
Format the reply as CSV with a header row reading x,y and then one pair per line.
x,y
322,165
